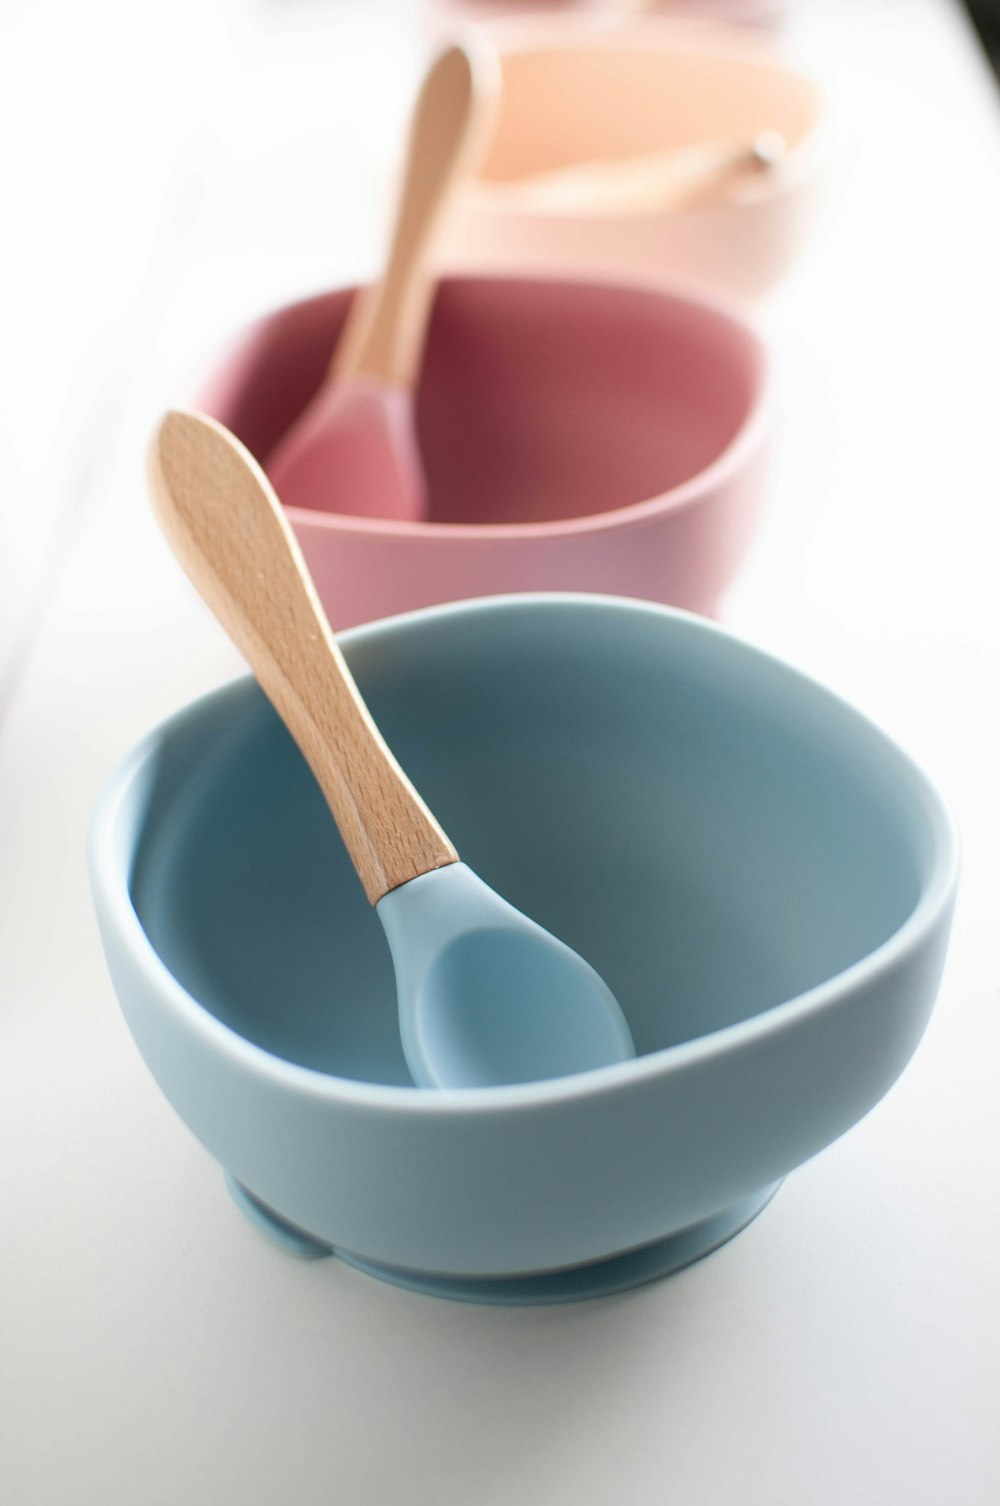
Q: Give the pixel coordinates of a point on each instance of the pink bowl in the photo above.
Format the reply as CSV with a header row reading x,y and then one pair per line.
x,y
579,92
576,437
768,13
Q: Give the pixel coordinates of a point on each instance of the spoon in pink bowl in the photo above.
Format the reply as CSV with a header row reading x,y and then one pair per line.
x,y
354,448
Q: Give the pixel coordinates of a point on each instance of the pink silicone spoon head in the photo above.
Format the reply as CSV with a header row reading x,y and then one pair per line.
x,y
354,449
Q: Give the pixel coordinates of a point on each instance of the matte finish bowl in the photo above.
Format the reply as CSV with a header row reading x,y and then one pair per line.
x,y
763,878
766,13
573,94
576,437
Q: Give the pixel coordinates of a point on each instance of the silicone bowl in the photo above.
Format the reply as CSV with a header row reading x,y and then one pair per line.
x,y
764,879
576,437
573,94
766,13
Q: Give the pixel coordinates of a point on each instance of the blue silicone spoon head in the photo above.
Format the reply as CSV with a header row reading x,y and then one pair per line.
x,y
487,996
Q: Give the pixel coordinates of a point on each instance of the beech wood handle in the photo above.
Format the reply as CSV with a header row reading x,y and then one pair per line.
x,y
384,335
226,527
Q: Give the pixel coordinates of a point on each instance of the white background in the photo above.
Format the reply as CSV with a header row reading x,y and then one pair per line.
x,y
166,173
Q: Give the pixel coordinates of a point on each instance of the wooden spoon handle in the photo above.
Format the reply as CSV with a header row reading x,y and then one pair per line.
x,y
226,526
384,335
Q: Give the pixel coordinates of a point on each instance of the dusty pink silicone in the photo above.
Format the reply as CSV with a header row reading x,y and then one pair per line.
x,y
575,437
356,439
771,14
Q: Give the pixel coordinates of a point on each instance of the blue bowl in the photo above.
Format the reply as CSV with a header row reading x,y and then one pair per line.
x,y
764,879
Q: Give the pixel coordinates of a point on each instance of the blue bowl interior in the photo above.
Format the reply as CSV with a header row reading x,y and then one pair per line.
x,y
714,834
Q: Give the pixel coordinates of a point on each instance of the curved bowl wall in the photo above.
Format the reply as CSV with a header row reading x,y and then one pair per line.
x,y
764,879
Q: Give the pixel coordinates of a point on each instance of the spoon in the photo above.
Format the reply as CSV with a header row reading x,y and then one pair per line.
x,y
674,179
354,448
485,995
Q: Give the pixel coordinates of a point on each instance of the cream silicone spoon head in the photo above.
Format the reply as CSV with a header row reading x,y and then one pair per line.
x,y
354,448
485,995
674,178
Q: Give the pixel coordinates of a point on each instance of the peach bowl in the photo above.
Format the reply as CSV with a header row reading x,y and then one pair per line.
x,y
575,437
583,93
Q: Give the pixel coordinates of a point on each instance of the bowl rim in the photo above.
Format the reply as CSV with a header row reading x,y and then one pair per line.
x,y
682,36
736,12
111,877
748,439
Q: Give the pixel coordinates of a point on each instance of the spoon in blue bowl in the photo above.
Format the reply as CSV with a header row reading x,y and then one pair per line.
x,y
486,996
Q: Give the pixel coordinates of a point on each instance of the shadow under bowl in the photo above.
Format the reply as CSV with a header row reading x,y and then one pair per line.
x,y
576,437
762,877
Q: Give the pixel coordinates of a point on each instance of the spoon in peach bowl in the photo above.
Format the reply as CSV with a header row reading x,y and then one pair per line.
x,y
676,178
486,996
354,448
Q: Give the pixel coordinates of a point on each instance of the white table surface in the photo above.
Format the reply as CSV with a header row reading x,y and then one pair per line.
x,y
153,1348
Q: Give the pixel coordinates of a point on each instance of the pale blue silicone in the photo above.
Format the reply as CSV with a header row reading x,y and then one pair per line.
x,y
598,1278
762,877
486,996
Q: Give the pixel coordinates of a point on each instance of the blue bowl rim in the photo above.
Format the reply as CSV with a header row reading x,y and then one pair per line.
x,y
112,890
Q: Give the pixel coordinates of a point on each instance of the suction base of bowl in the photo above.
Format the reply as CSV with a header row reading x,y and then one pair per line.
x,y
600,1279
